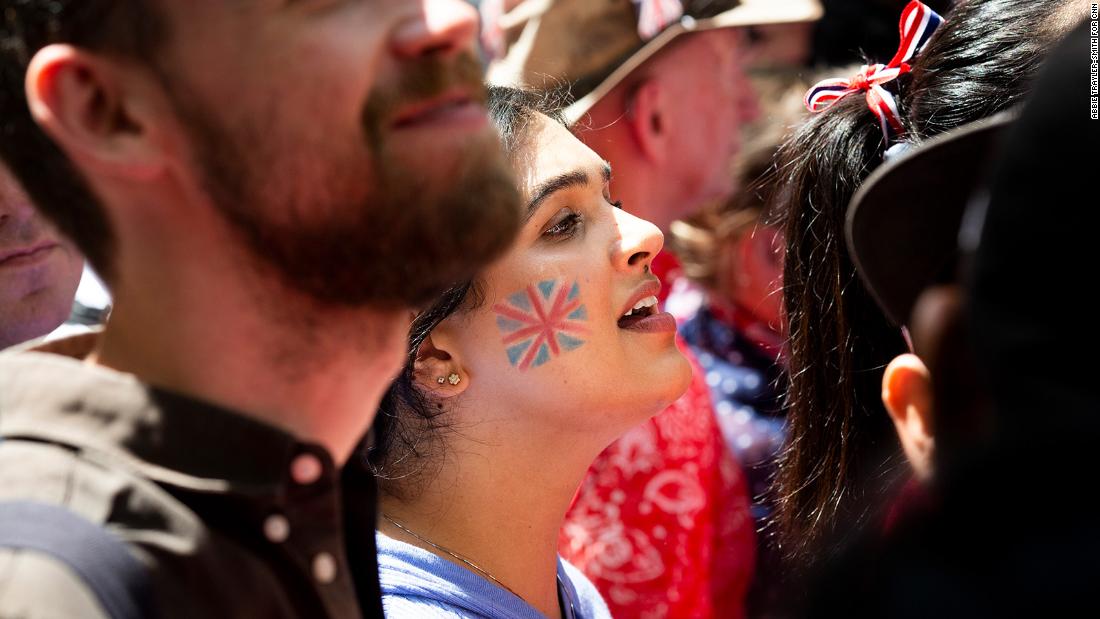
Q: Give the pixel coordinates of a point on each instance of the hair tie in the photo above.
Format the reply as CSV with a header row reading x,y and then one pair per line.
x,y
897,150
917,24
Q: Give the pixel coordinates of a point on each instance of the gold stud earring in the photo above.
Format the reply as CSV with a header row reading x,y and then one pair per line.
x,y
454,379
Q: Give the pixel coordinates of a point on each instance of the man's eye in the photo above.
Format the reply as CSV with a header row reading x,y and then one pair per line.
x,y
564,226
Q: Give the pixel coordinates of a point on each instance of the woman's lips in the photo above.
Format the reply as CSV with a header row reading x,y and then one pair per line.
x,y
651,287
27,256
661,322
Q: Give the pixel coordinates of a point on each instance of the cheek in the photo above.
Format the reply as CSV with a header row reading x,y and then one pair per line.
x,y
714,139
74,269
540,322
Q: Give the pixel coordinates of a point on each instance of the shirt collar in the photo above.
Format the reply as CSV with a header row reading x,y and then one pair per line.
x,y
172,438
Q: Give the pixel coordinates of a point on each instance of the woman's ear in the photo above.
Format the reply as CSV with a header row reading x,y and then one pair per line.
x,y
437,371
907,395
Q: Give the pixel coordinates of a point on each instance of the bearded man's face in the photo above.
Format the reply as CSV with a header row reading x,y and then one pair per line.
x,y
352,155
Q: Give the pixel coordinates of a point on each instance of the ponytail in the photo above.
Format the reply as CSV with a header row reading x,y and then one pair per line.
x,y
840,437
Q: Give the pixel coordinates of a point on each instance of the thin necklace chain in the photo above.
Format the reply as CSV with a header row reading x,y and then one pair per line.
x,y
452,553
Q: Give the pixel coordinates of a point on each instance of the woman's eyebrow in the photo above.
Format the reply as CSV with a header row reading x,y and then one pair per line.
x,y
550,186
563,181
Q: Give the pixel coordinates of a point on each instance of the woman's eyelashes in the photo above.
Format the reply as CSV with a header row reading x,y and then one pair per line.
x,y
565,225
568,222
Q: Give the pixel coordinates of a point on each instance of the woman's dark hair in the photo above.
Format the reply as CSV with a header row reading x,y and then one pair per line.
x,y
842,456
408,422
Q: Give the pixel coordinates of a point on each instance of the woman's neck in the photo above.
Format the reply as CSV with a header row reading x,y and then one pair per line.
x,y
496,507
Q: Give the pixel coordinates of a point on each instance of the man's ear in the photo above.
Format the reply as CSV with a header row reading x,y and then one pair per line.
x,y
647,117
437,371
907,395
96,109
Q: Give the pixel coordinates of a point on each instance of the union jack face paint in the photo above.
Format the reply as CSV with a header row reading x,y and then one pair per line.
x,y
541,322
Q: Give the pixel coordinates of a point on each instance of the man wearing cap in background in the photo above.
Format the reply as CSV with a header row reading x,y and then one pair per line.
x,y
660,86
661,525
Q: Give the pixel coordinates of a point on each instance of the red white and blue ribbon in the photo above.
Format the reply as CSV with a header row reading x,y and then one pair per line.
x,y
655,15
917,24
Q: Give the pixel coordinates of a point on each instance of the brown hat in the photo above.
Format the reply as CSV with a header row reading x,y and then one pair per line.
x,y
590,46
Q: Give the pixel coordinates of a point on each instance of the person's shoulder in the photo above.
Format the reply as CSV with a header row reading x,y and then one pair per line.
x,y
34,585
128,510
406,607
92,486
589,604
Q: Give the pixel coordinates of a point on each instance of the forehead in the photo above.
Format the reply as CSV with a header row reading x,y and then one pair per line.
x,y
550,150
700,59
724,41
724,44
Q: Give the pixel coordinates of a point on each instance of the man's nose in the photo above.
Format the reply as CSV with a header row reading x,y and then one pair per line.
x,y
439,27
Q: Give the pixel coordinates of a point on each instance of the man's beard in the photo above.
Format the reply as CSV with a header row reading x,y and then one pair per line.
x,y
386,236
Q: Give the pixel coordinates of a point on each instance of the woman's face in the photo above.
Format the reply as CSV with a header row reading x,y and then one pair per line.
x,y
551,334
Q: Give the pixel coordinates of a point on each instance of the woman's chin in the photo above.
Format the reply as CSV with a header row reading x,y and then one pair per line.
x,y
683,377
670,379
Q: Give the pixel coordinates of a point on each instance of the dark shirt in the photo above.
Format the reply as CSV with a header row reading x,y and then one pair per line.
x,y
231,517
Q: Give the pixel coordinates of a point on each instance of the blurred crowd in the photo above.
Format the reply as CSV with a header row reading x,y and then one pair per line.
x,y
546,308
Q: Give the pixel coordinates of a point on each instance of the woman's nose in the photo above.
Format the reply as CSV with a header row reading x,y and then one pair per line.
x,y
638,243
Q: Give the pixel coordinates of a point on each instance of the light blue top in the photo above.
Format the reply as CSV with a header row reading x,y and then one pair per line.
x,y
418,584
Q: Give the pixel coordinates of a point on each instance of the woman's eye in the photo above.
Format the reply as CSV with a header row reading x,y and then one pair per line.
x,y
564,225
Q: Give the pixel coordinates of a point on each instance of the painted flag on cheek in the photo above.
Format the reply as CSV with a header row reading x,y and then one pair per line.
x,y
541,322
